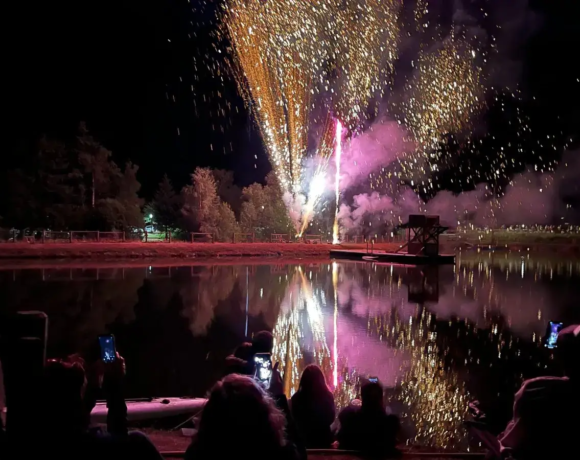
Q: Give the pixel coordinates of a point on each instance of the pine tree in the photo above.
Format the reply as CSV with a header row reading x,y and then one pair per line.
x,y
166,205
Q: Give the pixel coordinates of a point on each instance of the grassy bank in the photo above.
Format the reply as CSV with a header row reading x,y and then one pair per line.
x,y
222,251
158,250
502,237
170,250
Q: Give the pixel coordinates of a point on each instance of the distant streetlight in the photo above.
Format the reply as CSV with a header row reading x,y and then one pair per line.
x,y
150,216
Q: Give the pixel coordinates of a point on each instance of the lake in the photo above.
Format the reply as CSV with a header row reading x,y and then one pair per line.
x,y
437,337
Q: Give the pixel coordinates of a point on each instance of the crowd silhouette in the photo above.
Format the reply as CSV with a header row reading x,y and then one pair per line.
x,y
243,418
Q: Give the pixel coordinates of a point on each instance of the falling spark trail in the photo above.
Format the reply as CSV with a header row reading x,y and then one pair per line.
x,y
337,155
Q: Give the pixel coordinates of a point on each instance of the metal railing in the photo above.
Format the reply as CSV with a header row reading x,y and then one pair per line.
x,y
93,236
197,237
312,239
280,238
244,238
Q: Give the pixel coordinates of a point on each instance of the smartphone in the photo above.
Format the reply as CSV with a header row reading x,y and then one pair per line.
x,y
374,379
552,334
263,365
108,349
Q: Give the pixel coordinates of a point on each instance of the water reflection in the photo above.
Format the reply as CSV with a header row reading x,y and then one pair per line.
x,y
435,336
373,329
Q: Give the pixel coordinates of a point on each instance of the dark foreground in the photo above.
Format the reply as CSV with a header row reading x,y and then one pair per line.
x,y
172,445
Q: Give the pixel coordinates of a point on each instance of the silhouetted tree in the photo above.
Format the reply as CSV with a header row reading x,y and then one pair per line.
x,y
73,187
47,193
263,209
166,205
122,208
203,210
95,164
227,190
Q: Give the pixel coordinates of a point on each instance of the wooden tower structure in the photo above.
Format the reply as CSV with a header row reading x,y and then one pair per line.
x,y
423,235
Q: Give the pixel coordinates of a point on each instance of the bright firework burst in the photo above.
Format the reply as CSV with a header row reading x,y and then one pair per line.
x,y
274,62
280,49
318,181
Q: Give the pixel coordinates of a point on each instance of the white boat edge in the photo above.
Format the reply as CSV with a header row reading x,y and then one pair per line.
x,y
155,408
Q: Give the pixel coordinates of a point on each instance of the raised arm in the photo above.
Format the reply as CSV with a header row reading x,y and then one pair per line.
x,y
114,389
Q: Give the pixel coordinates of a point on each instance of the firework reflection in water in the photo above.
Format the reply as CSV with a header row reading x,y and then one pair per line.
x,y
401,352
371,327
426,333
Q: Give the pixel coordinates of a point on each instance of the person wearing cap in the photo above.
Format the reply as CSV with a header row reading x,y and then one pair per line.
x,y
546,414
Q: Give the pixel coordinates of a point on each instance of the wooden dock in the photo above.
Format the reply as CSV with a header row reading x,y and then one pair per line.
x,y
393,257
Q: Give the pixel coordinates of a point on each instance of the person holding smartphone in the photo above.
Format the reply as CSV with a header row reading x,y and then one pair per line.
x,y
545,421
69,392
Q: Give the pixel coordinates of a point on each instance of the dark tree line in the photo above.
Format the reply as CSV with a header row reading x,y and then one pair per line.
x,y
72,186
212,203
77,185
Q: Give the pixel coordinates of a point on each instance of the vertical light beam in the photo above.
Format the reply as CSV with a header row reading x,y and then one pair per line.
x,y
337,155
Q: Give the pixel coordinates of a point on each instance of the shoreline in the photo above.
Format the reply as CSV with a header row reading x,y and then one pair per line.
x,y
228,253
177,251
159,250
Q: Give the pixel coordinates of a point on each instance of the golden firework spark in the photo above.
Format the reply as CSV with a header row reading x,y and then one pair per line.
x,y
279,51
421,10
363,44
274,64
444,95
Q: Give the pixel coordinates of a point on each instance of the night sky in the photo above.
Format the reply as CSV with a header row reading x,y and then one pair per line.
x,y
127,68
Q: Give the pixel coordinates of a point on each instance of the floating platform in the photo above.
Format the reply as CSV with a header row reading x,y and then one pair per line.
x,y
394,257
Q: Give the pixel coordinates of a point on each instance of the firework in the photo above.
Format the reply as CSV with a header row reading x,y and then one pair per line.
x,y
363,45
274,63
318,181
279,53
443,97
337,155
421,10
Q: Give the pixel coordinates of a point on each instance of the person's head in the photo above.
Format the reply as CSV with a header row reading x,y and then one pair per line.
x,y
312,380
244,351
569,350
239,418
263,342
371,394
63,390
240,361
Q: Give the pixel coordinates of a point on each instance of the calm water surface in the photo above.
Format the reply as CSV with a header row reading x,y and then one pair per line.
x,y
437,337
